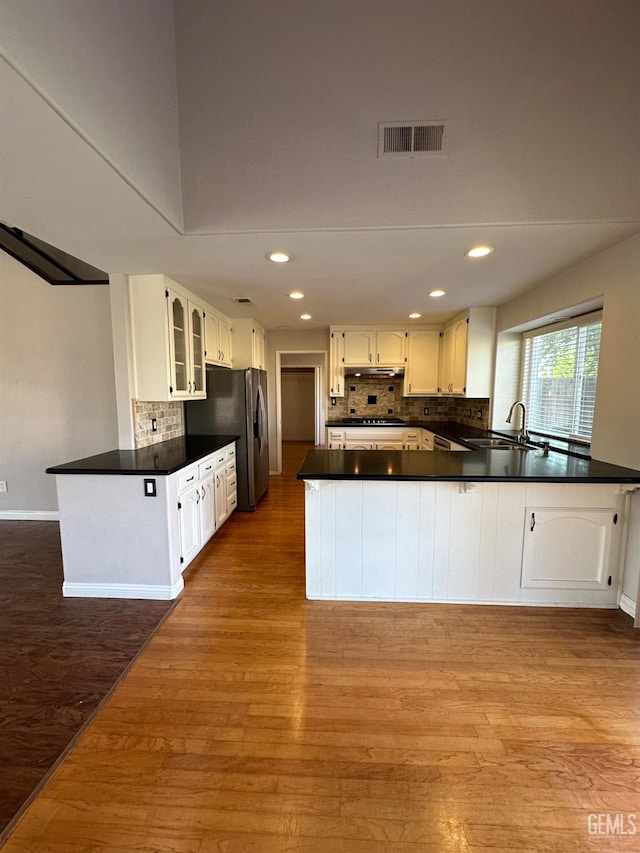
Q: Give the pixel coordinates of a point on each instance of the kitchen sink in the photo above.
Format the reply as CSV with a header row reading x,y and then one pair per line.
x,y
495,443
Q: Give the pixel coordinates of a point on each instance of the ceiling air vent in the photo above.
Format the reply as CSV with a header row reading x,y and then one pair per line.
x,y
397,138
242,300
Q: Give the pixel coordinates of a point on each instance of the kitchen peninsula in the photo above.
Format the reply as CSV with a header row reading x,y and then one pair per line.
x,y
492,526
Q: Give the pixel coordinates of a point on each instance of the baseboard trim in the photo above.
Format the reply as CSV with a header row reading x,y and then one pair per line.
x,y
628,605
156,592
29,515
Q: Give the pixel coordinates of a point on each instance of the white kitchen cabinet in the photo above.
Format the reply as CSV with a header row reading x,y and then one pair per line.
x,y
412,439
423,358
358,445
204,504
359,347
168,340
190,525
457,542
468,345
336,363
390,347
389,445
217,338
426,439
248,344
567,547
334,439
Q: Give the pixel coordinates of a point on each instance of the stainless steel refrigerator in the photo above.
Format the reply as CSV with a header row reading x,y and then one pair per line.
x,y
236,404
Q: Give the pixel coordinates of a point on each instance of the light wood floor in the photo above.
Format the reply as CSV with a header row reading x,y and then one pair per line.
x,y
258,721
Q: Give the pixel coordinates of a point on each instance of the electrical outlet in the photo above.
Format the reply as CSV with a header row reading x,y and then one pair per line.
x,y
154,425
426,410
3,485
479,414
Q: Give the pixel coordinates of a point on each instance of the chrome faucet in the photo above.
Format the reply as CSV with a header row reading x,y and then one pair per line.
x,y
523,435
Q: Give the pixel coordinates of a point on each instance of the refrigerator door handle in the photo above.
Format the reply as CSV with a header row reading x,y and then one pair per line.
x,y
261,417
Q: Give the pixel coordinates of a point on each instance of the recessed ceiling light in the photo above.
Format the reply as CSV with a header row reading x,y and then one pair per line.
x,y
435,293
305,316
295,294
414,315
479,251
279,257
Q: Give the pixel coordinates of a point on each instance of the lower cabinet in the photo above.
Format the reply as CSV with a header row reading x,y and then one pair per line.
x,y
567,547
206,497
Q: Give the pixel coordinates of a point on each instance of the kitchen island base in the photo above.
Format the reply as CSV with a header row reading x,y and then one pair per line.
x,y
545,544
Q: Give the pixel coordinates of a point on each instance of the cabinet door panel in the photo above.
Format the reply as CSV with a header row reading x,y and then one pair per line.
x,y
189,510
390,347
423,357
207,508
566,548
178,345
358,348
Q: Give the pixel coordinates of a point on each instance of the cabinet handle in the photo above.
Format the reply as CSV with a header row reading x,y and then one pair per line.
x,y
533,521
189,479
203,493
378,358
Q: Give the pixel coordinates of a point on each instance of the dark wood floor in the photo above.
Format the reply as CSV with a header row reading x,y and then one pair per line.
x,y
59,657
256,720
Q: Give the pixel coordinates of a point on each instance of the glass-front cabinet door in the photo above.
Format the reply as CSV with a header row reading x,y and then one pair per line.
x,y
197,349
178,344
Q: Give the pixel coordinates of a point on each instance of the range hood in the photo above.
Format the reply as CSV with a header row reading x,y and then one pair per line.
x,y
384,372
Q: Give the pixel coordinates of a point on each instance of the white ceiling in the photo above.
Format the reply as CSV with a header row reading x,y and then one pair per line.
x,y
276,107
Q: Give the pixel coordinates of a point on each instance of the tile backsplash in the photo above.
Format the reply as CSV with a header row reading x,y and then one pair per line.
x,y
376,397
169,421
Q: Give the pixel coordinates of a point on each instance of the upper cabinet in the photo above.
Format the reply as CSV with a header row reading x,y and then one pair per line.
x,y
336,363
217,338
467,354
248,344
168,340
391,347
421,376
374,347
359,347
456,360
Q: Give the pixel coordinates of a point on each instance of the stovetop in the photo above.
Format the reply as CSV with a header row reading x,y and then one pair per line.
x,y
372,421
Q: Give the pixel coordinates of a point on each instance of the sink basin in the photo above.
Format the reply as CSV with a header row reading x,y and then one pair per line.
x,y
496,443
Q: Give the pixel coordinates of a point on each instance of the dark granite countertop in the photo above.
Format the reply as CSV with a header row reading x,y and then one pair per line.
x,y
166,457
458,432
496,465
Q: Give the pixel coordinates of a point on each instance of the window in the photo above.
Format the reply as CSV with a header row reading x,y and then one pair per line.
x,y
559,376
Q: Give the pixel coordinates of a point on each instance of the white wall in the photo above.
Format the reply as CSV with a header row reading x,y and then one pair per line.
x,y
108,66
615,275
57,394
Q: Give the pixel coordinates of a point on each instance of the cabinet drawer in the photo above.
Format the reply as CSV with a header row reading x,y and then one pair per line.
x,y
187,477
231,453
206,467
232,503
232,484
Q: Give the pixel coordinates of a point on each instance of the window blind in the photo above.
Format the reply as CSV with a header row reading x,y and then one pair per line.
x,y
559,376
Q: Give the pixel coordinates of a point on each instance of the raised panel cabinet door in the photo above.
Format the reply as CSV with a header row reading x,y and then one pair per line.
x,y
423,359
189,517
567,548
207,508
358,348
336,369
212,338
390,347
225,342
459,365
220,490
